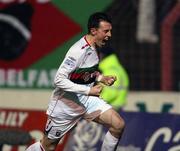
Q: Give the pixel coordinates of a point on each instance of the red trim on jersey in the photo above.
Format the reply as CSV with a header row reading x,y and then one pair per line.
x,y
76,75
42,149
87,41
84,46
88,44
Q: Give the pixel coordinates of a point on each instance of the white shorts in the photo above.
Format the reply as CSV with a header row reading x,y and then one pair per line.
x,y
64,114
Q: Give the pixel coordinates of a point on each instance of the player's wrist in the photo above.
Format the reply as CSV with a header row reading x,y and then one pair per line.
x,y
99,78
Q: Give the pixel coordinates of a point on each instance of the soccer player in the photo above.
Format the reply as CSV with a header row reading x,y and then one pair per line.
x,y
77,90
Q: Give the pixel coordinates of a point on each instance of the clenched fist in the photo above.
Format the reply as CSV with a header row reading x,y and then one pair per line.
x,y
96,90
108,80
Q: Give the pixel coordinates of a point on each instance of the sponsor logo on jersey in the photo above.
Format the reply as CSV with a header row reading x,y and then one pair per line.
x,y
70,62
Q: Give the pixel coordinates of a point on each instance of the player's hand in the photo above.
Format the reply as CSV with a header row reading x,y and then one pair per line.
x,y
96,90
108,80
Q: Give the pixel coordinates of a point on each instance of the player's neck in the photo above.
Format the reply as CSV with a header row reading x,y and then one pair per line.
x,y
91,40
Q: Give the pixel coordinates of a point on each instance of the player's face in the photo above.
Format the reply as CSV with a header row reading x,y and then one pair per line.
x,y
103,33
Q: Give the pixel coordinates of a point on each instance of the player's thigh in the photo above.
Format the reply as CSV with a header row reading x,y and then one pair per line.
x,y
111,118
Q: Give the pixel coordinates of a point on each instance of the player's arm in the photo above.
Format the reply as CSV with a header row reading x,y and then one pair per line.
x,y
68,65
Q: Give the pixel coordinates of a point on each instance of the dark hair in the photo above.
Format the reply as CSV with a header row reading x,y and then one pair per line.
x,y
96,18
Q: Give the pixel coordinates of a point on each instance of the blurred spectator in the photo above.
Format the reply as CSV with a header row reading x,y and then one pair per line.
x,y
110,65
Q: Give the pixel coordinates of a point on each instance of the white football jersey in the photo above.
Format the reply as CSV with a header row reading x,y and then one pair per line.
x,y
75,75
78,68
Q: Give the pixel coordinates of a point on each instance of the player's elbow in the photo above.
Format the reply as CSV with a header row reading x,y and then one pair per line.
x,y
57,80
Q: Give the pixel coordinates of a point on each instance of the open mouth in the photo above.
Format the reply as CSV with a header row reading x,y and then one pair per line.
x,y
105,41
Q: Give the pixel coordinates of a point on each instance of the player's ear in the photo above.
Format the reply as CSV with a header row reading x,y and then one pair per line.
x,y
93,31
